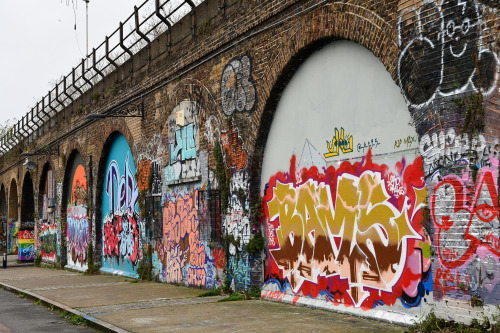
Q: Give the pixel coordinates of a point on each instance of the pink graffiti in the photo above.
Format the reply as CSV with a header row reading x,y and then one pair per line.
x,y
181,238
196,276
176,259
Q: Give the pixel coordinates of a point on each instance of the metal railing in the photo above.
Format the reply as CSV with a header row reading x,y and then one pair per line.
x,y
148,21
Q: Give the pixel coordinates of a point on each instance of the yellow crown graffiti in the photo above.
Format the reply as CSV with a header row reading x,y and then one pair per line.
x,y
342,143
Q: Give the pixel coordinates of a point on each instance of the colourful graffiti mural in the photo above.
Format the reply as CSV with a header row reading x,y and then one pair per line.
x,y
182,257
77,230
13,228
122,228
77,235
26,243
347,236
48,240
464,210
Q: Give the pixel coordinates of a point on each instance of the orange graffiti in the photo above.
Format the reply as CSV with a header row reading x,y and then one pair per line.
x,y
79,187
143,171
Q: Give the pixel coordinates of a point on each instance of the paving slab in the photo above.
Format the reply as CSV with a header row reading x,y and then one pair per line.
x,y
118,294
119,304
241,316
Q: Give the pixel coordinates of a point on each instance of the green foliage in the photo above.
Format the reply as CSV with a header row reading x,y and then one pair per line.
x,y
228,240
233,297
226,288
256,244
146,266
222,178
72,318
474,113
92,268
38,260
214,292
433,324
255,292
96,96
476,301
256,210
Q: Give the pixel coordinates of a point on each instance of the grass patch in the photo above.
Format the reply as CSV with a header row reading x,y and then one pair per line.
x,y
431,324
39,302
233,297
72,318
215,292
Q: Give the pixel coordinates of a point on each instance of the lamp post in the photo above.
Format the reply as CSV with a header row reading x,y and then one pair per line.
x,y
87,26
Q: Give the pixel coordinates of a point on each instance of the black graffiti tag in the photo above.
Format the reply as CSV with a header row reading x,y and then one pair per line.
x,y
441,52
237,87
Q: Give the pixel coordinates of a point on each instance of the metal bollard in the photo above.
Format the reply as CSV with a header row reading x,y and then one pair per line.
x,y
4,260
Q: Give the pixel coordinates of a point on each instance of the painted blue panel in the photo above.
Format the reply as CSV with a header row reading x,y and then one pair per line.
x,y
121,227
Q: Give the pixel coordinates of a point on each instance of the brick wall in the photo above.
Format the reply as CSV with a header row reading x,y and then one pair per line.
x,y
232,68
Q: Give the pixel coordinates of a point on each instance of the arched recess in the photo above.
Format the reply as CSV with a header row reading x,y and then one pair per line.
x,y
26,236
343,183
3,219
117,208
13,218
47,228
74,211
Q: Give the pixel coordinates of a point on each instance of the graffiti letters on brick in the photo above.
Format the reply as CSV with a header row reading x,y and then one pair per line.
x,y
182,257
183,138
48,239
441,52
149,163
446,147
465,215
237,86
349,235
232,146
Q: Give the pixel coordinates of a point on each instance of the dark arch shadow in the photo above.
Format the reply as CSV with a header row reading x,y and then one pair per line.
x,y
13,213
3,219
41,187
27,204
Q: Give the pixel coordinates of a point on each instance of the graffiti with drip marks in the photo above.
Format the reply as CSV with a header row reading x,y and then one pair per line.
x,y
347,236
121,226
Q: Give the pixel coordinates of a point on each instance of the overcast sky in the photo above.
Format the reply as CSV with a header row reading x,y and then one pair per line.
x,y
38,44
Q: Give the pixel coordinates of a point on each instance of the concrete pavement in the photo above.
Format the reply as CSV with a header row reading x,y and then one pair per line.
x,y
119,304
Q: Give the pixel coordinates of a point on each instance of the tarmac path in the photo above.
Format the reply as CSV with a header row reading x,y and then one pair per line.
x,y
119,304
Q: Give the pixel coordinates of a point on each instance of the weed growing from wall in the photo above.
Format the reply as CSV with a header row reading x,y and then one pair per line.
x,y
92,268
222,178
